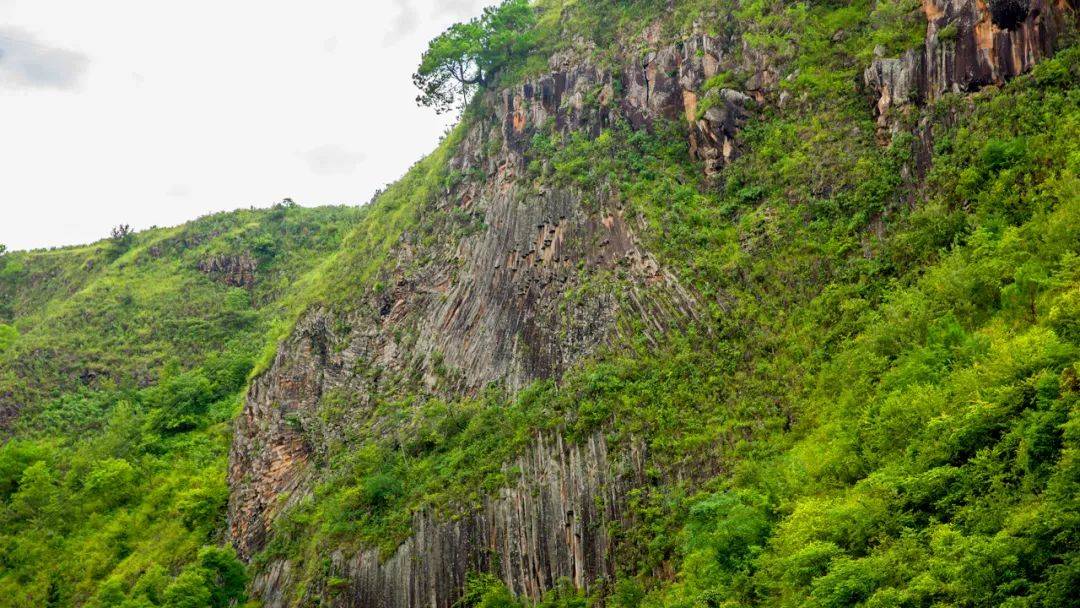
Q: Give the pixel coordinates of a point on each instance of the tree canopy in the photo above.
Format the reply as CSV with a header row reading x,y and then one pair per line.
x,y
471,55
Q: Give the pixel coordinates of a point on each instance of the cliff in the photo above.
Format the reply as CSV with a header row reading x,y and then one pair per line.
x,y
553,524
701,304
495,302
969,44
492,296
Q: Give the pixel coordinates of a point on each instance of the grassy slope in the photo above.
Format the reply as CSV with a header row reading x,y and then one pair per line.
x,y
131,363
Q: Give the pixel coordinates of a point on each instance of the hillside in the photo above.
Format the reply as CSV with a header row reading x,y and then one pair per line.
x,y
700,304
124,364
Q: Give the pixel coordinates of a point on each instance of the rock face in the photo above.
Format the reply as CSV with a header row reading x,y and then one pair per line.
x,y
664,85
494,303
552,524
714,138
494,297
234,270
969,45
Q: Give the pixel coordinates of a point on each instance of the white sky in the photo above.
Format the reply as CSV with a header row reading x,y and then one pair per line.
x,y
153,112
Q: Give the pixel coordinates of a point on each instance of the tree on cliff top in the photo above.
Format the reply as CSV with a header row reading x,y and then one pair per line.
x,y
471,55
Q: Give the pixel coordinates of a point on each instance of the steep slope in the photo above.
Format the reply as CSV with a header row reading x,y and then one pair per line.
x,y
718,194
514,283
701,304
116,311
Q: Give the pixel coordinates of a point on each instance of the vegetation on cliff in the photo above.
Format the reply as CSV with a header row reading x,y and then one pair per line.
x,y
875,336
878,407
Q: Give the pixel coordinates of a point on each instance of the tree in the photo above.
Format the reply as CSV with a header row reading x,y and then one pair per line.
x,y
1022,294
120,239
110,594
178,404
188,590
38,498
109,483
225,574
6,276
471,55
121,233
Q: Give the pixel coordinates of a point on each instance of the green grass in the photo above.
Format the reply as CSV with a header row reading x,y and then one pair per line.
x,y
130,364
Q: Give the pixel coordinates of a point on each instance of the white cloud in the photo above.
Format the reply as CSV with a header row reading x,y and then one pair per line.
x,y
28,62
461,9
406,22
332,159
179,191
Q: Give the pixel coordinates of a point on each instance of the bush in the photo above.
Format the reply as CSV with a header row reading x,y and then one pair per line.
x,y
179,403
188,590
226,575
8,336
1064,316
38,497
110,482
380,490
486,591
202,508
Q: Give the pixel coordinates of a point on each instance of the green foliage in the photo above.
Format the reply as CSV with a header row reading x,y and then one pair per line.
x,y
188,590
103,516
129,370
8,336
178,403
877,404
486,591
474,54
930,441
224,574
900,25
85,318
109,482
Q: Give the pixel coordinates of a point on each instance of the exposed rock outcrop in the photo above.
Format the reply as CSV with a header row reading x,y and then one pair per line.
x,y
664,85
492,307
234,270
495,297
496,303
552,524
969,45
714,138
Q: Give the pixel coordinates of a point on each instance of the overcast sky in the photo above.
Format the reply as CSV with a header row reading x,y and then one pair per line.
x,y
155,112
